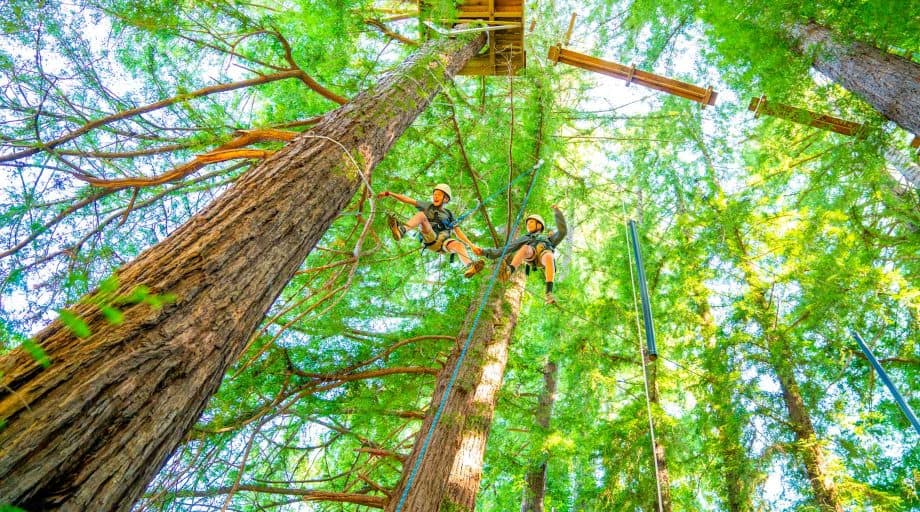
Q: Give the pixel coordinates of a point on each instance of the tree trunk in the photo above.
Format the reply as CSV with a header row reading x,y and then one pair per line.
x,y
807,442
448,476
89,432
661,460
782,361
888,82
535,491
908,170
735,466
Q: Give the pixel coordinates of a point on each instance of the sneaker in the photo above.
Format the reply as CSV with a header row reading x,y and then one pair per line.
x,y
396,229
473,268
550,298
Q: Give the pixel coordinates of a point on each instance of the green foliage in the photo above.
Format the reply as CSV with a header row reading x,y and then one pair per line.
x,y
764,243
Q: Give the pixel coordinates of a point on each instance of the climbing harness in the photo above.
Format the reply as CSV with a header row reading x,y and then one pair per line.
x,y
466,346
442,227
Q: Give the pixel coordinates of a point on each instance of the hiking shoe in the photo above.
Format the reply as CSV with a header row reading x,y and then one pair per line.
x,y
473,268
550,298
396,229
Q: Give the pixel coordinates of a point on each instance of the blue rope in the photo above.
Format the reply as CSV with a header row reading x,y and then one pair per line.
x,y
466,345
479,204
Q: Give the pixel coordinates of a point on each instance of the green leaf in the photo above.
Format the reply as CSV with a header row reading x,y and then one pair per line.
x,y
113,315
37,352
109,285
137,294
74,323
158,301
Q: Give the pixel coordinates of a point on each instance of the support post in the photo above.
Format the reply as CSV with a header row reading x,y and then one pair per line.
x,y
884,376
643,291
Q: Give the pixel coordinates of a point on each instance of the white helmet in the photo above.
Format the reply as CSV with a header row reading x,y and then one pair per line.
x,y
538,219
445,188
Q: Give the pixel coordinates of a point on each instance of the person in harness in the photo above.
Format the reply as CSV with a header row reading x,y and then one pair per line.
x,y
436,224
535,249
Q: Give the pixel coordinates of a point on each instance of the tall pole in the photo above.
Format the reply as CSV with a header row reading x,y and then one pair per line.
x,y
643,291
884,376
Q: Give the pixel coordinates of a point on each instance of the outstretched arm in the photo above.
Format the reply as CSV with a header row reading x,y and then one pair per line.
x,y
462,237
495,252
398,197
561,228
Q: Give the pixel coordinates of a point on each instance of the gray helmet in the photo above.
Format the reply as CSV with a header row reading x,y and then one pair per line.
x,y
536,218
445,188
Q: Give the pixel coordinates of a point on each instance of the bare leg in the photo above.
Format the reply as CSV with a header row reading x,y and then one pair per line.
x,y
460,250
549,267
419,219
524,253
550,271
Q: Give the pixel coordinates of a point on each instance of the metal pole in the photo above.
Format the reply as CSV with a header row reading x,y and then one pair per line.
x,y
884,376
643,290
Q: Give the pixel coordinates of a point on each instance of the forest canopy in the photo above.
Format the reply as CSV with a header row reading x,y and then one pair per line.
x,y
767,242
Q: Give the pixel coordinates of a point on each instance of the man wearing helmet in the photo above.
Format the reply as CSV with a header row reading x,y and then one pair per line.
x,y
436,224
535,248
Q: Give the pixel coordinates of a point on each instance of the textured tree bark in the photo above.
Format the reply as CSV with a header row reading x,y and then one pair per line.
x,y
451,468
888,82
89,432
908,170
662,461
535,492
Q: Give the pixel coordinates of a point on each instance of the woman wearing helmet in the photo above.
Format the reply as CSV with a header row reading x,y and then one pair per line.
x,y
436,224
535,248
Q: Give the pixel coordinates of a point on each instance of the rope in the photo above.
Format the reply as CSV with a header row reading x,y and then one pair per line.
x,y
648,401
466,346
479,204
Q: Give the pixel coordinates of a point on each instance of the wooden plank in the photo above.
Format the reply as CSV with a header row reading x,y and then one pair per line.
x,y
802,116
632,75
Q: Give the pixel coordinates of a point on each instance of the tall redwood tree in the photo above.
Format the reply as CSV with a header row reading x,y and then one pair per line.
x,y
90,431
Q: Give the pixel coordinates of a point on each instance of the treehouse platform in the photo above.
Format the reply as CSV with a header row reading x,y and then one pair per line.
x,y
503,21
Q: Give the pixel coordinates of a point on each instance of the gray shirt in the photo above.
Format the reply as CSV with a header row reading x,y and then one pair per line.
x,y
440,218
554,237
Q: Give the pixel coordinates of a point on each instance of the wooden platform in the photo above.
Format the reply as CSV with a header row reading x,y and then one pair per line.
x,y
505,54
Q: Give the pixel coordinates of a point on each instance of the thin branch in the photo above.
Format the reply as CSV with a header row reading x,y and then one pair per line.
x,y
389,33
206,91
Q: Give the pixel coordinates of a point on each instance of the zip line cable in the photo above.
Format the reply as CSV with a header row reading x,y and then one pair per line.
x,y
468,342
491,196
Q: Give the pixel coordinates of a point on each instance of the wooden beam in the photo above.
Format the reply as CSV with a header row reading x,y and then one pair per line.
x,y
630,74
802,116
916,142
